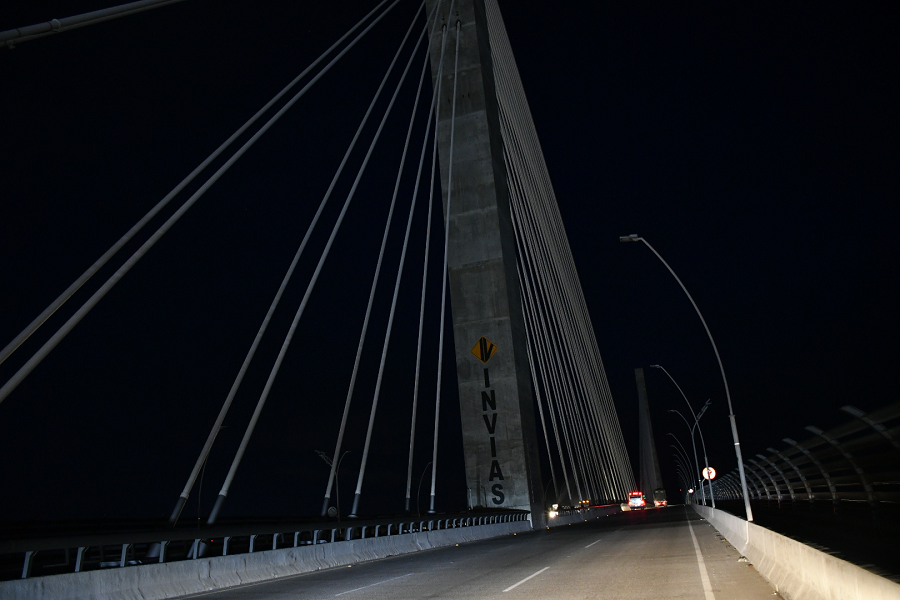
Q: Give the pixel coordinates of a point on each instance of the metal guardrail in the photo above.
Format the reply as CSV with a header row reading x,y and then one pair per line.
x,y
51,556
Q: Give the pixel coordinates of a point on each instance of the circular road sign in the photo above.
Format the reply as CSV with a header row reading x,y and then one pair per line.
x,y
709,473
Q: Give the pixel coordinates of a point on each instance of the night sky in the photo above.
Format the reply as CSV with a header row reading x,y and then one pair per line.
x,y
754,146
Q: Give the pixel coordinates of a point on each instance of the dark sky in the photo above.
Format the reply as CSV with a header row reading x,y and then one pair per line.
x,y
754,147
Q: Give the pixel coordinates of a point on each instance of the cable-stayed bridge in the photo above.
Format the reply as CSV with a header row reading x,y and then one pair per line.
x,y
430,246
470,198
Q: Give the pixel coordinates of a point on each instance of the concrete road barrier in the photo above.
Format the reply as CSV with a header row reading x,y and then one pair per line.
x,y
798,571
167,580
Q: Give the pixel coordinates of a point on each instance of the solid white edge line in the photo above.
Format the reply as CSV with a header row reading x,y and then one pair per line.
x,y
704,576
372,585
591,544
526,579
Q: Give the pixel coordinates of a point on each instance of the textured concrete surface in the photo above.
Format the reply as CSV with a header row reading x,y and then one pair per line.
x,y
798,571
635,555
496,402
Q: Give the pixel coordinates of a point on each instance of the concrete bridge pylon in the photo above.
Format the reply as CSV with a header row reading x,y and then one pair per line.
x,y
496,396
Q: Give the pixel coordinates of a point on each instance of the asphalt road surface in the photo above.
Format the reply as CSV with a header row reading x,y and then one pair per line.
x,y
652,554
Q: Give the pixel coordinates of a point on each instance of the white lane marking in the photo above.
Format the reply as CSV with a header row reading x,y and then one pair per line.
x,y
526,579
591,544
704,576
372,585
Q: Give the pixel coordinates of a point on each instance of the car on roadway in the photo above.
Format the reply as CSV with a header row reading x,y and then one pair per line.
x,y
636,501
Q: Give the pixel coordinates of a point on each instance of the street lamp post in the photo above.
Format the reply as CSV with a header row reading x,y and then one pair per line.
x,y
737,443
687,460
697,425
682,453
681,465
337,477
705,459
698,474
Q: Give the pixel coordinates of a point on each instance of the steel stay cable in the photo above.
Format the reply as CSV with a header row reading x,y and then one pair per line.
x,y
582,445
569,336
500,69
550,388
444,275
436,107
76,285
13,37
392,312
530,328
530,131
553,402
543,338
204,453
289,336
365,327
575,406
537,393
70,324
575,370
555,252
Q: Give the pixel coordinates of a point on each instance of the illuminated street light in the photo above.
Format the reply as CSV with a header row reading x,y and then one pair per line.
x,y
737,444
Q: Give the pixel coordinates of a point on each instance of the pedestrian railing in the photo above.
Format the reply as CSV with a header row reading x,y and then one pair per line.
x,y
50,556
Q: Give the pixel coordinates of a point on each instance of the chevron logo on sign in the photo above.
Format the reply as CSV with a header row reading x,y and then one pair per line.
x,y
484,349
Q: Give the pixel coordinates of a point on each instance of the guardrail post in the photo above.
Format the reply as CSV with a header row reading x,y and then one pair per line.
x,y
809,492
252,541
758,494
786,481
296,537
224,547
333,532
26,567
362,534
376,529
870,493
834,498
876,426
79,556
348,534
124,554
772,479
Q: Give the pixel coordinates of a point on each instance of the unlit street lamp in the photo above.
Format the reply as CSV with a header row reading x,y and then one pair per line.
x,y
737,443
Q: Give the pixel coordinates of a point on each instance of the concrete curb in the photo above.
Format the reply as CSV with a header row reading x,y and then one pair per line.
x,y
168,580
798,571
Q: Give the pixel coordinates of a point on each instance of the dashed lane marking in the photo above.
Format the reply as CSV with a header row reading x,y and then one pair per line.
x,y
372,585
526,579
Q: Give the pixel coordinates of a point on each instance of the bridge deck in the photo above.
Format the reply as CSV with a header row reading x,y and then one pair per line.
x,y
648,554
